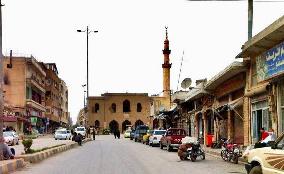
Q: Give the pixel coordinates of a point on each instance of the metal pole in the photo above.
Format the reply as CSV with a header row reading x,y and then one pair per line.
x,y
87,62
1,84
250,18
84,100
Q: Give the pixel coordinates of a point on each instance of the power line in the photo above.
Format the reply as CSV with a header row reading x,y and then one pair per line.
x,y
180,69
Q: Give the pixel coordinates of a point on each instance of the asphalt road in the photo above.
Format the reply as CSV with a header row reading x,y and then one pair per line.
x,y
107,155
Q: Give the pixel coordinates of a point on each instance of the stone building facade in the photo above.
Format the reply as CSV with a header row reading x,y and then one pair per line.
x,y
264,92
118,110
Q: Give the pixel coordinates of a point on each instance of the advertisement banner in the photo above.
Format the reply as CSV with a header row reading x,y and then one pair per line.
x,y
270,63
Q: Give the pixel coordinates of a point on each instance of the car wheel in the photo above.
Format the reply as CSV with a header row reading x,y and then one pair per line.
x,y
169,148
55,138
135,139
256,170
161,146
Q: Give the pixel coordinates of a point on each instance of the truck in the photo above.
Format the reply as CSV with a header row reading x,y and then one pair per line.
x,y
172,138
266,160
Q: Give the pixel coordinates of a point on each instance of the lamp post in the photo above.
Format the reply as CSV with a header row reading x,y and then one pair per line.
x,y
1,85
87,34
84,95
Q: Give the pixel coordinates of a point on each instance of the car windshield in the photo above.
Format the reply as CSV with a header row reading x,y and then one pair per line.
x,y
7,134
176,132
128,131
159,132
80,129
61,132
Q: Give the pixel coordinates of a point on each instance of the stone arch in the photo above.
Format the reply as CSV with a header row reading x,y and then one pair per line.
x,y
138,122
97,124
125,124
126,106
113,125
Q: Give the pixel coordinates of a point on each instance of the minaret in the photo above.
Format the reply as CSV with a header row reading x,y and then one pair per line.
x,y
166,67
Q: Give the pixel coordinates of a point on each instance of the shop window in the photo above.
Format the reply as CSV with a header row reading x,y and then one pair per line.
x,y
139,107
126,106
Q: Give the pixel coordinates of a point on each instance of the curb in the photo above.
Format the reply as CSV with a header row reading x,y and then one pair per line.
x,y
12,165
217,155
39,156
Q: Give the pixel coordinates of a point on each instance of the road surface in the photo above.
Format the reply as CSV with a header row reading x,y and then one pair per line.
x,y
107,155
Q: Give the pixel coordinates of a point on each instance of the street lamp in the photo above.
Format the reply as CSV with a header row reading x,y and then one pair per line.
x,y
87,32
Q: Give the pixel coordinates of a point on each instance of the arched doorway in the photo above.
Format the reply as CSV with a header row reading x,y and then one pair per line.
x,y
138,122
125,124
97,124
113,125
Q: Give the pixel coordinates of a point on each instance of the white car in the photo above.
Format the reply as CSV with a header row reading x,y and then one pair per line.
x,y
62,135
81,130
155,138
11,137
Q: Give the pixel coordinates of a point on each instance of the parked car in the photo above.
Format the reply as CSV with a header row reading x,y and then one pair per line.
x,y
11,137
145,139
62,134
132,134
81,130
172,138
266,160
127,133
140,132
155,138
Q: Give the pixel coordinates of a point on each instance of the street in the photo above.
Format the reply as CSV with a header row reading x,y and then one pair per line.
x,y
122,156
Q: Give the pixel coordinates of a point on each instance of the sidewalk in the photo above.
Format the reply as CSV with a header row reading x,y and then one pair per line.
x,y
217,153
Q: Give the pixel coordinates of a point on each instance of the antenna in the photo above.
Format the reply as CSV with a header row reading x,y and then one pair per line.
x,y
180,69
186,83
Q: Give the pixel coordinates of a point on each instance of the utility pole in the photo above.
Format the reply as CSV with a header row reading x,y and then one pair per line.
x,y
250,18
1,86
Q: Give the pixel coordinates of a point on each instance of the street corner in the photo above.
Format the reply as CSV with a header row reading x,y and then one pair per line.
x,y
11,165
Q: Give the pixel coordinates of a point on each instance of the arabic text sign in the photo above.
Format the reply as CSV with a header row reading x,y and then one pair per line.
x,y
275,60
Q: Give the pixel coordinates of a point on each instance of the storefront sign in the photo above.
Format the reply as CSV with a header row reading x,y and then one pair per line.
x,y
270,63
33,120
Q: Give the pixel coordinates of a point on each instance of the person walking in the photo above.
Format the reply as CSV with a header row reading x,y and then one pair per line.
x,y
94,133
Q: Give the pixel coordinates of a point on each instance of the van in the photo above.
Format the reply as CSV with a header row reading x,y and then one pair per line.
x,y
81,130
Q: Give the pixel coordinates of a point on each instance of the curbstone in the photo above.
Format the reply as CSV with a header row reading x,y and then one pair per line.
x,y
11,165
39,156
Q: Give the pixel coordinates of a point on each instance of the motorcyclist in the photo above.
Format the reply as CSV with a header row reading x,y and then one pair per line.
x,y
182,151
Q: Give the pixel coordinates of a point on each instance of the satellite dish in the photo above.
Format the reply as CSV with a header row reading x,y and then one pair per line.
x,y
186,83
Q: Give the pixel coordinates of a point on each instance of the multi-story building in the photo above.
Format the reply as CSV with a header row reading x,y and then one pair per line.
x,y
264,91
24,86
64,103
117,110
52,96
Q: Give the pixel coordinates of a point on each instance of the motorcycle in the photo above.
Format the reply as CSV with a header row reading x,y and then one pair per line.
x,y
231,152
191,151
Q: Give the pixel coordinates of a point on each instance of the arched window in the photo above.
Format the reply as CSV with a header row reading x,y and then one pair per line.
x,y
126,106
139,107
96,108
113,108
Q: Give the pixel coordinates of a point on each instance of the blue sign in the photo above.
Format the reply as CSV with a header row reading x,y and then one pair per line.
x,y
275,60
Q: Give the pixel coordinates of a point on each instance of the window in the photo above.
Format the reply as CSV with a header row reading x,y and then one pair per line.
x,y
126,106
139,107
113,108
96,108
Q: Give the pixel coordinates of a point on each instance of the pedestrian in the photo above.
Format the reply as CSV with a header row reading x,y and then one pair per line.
x,y
114,133
88,132
78,139
118,133
7,152
263,134
94,134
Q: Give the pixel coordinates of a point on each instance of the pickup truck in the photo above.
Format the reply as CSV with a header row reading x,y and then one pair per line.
x,y
172,138
266,160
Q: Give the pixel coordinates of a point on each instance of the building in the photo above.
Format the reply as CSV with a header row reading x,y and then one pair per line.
x,y
117,110
81,118
64,104
52,96
264,92
24,93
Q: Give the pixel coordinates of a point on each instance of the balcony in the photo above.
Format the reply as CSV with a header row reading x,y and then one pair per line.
x,y
36,105
34,82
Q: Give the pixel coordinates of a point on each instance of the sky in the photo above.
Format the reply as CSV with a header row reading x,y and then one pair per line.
x,y
126,53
